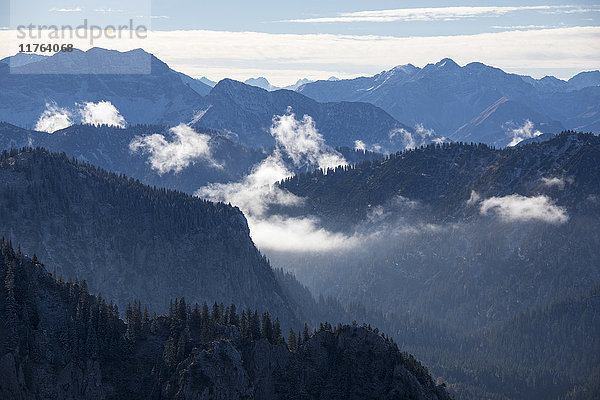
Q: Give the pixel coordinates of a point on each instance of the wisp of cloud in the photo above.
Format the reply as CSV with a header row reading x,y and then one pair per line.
x,y
53,119
101,113
298,145
186,147
514,208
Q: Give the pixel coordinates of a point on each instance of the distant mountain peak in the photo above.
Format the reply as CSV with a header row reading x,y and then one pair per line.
x,y
406,68
447,63
261,82
207,81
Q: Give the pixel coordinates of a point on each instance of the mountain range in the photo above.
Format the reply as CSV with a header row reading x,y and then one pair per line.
x,y
475,102
404,107
441,204
144,90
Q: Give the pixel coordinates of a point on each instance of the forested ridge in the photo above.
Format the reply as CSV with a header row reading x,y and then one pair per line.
x,y
60,341
442,177
131,241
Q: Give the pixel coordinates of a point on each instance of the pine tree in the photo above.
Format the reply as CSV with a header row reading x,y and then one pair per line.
x,y
305,334
254,326
277,331
216,313
266,330
292,345
244,326
233,317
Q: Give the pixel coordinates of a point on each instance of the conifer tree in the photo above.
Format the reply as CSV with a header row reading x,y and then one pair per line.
x,y
292,345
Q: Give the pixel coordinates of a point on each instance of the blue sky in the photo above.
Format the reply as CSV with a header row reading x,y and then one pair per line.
x,y
285,40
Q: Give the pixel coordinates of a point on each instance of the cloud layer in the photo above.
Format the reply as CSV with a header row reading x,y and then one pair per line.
x,y
186,147
515,208
239,55
439,13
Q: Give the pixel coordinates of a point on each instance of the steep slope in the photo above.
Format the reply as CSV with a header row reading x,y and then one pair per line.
x,y
445,97
141,87
59,341
248,112
129,240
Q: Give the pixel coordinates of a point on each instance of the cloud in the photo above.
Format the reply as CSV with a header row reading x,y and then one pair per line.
x,y
360,145
101,113
513,27
108,10
159,16
298,145
521,133
66,10
438,13
256,191
186,147
53,119
303,143
406,138
410,140
515,208
237,55
551,182
474,199
297,235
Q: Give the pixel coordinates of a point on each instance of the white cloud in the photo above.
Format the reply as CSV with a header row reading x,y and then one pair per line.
x,y
186,147
439,13
303,143
101,113
53,119
297,235
474,199
360,145
238,55
298,144
108,10
256,191
551,182
66,10
520,208
521,133
512,27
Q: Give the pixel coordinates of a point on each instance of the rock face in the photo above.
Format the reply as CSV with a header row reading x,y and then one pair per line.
x,y
59,342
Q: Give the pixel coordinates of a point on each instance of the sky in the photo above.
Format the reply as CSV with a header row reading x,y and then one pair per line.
x,y
285,41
